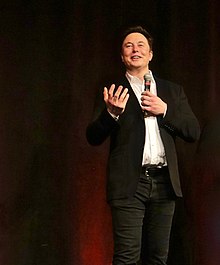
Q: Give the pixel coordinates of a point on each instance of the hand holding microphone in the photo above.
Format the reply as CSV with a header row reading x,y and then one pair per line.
x,y
151,104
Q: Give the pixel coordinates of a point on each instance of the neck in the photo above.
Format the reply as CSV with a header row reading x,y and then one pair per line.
x,y
138,73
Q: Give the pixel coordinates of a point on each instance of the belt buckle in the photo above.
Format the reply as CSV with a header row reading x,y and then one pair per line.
x,y
148,167
146,170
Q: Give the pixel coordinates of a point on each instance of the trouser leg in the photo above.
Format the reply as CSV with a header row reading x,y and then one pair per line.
x,y
156,232
127,219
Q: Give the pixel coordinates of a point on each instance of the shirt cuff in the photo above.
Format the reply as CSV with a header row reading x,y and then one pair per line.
x,y
114,117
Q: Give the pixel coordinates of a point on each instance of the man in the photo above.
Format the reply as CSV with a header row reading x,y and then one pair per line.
x,y
143,179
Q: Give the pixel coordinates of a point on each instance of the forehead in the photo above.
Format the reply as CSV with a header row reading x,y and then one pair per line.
x,y
135,37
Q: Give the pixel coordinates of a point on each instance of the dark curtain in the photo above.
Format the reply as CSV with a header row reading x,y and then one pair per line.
x,y
54,55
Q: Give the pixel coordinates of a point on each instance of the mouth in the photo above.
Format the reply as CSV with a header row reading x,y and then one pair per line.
x,y
135,57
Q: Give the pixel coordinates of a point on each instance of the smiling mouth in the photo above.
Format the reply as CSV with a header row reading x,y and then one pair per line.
x,y
135,57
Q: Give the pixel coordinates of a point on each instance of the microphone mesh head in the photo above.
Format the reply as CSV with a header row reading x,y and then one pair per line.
x,y
147,77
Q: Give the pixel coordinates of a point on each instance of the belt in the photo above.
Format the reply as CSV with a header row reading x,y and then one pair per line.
x,y
153,170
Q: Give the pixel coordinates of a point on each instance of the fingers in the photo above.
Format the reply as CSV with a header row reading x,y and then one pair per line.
x,y
124,94
118,92
114,96
111,90
105,93
147,101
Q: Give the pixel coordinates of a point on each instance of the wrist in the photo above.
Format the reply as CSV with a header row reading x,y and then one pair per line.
x,y
115,117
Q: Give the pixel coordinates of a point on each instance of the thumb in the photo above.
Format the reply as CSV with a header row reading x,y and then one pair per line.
x,y
105,94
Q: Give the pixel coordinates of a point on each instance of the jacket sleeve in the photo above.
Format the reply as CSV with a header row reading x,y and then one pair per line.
x,y
180,120
102,124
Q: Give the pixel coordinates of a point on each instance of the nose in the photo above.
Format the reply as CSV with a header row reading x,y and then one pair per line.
x,y
135,48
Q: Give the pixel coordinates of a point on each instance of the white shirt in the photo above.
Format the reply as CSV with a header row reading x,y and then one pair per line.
x,y
154,153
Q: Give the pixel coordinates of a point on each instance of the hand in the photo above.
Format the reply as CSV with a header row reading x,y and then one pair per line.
x,y
152,103
115,102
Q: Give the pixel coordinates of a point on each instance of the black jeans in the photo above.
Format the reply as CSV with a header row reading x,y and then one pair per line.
x,y
142,225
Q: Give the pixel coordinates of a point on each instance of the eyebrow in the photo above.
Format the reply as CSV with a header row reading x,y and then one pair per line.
x,y
129,42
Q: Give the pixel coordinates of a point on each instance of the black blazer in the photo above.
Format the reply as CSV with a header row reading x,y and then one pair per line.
x,y
128,133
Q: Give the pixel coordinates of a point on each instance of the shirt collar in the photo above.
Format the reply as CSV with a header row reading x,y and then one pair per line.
x,y
136,80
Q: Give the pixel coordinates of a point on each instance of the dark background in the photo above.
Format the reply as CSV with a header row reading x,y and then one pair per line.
x,y
53,56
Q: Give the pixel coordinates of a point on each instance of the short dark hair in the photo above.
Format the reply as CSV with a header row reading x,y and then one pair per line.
x,y
138,29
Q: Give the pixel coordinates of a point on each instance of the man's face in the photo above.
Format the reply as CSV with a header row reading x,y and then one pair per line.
x,y
136,52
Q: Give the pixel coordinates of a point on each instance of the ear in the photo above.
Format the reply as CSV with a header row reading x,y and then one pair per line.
x,y
122,58
151,55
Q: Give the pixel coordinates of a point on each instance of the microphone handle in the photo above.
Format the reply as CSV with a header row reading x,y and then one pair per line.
x,y
147,85
146,88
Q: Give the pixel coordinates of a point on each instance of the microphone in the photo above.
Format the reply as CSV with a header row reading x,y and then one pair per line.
x,y
147,82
